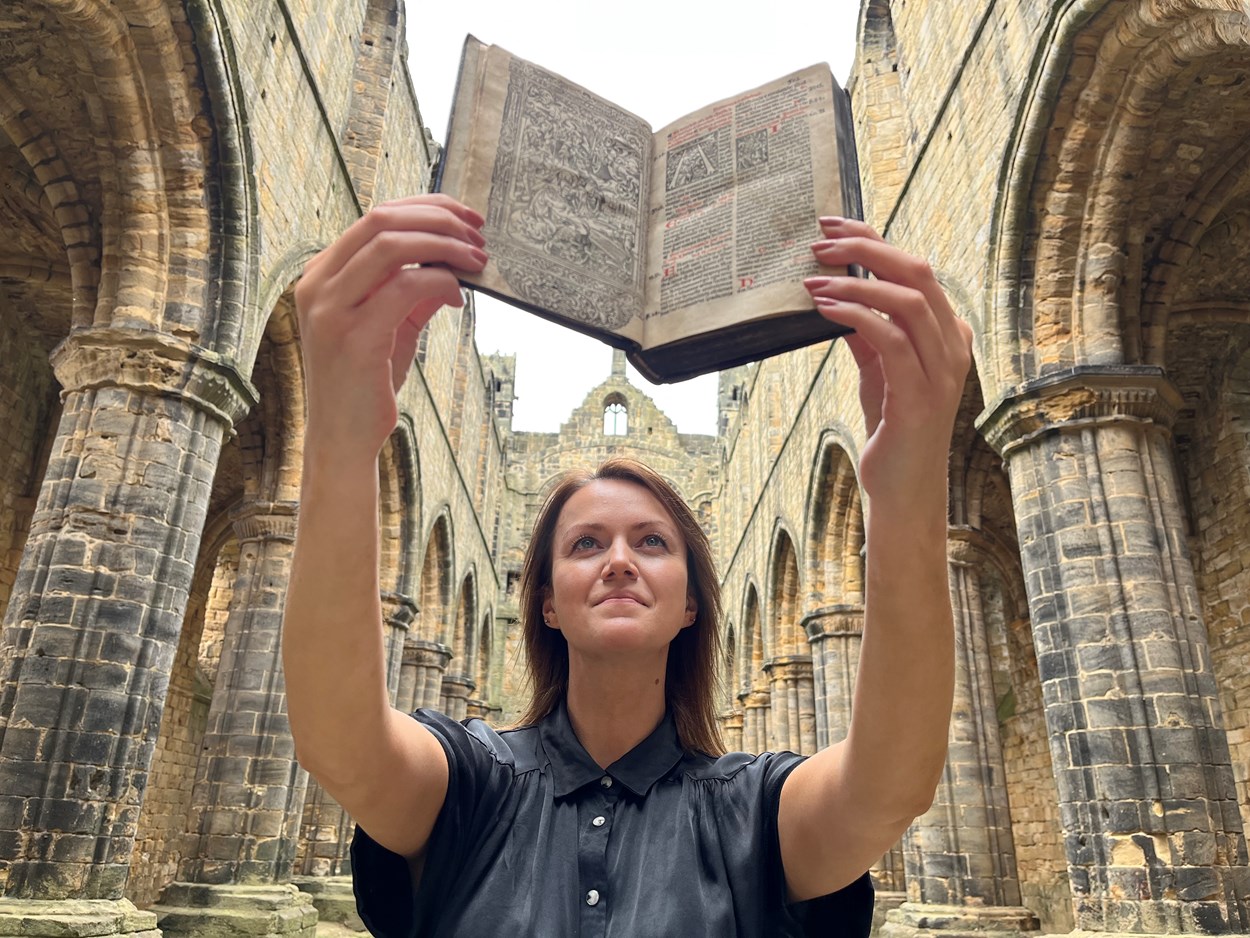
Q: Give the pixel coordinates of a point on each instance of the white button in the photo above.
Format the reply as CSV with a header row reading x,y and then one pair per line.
x,y
592,897
599,821
606,781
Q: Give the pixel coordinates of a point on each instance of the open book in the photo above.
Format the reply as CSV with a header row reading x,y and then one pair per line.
x,y
686,247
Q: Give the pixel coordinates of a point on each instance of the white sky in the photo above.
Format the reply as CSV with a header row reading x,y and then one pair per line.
x,y
660,59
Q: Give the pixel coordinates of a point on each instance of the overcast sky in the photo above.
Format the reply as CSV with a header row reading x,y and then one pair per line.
x,y
660,59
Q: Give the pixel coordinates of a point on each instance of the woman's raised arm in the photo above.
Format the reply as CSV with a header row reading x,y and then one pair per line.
x,y
361,305
842,809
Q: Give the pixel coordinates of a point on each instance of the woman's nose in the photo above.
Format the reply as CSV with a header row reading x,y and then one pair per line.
x,y
620,560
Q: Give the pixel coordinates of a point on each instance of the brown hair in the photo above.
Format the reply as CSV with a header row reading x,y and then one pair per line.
x,y
691,676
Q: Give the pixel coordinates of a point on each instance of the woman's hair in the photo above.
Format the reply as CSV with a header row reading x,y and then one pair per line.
x,y
691,679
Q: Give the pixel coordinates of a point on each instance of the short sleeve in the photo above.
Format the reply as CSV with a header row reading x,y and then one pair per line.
x,y
385,898
846,913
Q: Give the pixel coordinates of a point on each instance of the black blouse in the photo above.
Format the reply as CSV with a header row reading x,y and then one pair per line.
x,y
535,839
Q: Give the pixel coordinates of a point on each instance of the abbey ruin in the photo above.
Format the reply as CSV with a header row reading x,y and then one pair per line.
x,y
1076,171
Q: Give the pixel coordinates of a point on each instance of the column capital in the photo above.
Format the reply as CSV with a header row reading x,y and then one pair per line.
x,y
398,609
265,521
458,685
834,621
789,666
1087,395
426,654
150,362
753,700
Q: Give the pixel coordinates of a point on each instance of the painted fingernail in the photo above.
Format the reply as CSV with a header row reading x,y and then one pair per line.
x,y
815,283
831,220
826,245
476,237
827,301
479,255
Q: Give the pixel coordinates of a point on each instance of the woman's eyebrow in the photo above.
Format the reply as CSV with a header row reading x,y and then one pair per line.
x,y
600,526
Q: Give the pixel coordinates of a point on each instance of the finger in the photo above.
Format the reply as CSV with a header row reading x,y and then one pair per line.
x,y
907,308
412,294
390,251
892,346
444,216
406,338
834,226
888,263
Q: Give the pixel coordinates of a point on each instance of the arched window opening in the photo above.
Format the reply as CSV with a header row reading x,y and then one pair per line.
x,y
615,418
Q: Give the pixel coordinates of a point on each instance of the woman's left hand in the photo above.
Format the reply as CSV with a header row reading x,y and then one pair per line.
x,y
912,351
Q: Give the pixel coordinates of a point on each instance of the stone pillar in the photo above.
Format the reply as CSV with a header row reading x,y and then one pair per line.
x,y
793,725
731,729
1153,834
456,690
834,633
248,800
960,858
398,614
92,624
755,707
421,674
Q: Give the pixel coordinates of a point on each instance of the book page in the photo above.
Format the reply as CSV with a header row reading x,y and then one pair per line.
x,y
737,188
561,176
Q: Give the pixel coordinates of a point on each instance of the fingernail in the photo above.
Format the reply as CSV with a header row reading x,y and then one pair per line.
x,y
826,301
479,255
831,220
476,237
815,283
826,244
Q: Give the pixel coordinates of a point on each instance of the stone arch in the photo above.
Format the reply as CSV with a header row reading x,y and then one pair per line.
x,y
753,695
792,692
485,702
783,599
400,507
835,528
730,712
1118,86
615,415
137,150
258,470
458,682
373,78
434,601
885,138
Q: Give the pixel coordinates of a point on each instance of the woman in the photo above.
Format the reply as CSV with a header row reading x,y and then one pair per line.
x,y
605,819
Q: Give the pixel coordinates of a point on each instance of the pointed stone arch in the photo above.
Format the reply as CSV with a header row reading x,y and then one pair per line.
x,y
835,528
753,693
458,683
437,567
789,667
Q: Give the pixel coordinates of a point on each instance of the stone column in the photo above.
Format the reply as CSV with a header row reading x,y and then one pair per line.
x,y
421,674
793,725
248,800
731,729
834,633
1153,834
456,691
755,707
92,624
960,858
324,866
398,614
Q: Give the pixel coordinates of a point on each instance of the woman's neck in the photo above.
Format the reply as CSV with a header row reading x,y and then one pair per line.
x,y
613,708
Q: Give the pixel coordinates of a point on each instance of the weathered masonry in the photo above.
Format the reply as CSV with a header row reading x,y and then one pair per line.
x,y
1077,173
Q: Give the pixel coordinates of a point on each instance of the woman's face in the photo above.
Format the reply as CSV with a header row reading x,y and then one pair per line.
x,y
618,572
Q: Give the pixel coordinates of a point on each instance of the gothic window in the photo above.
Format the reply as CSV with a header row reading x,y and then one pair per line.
x,y
615,417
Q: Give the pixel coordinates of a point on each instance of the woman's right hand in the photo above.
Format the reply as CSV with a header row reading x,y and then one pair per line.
x,y
362,303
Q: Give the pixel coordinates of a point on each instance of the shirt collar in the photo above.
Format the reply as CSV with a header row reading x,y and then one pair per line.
x,y
637,770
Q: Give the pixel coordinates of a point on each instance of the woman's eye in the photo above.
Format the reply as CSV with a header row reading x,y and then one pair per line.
x,y
584,543
654,540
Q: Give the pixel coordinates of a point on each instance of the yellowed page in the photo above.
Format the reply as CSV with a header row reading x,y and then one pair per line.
x,y
736,190
561,177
